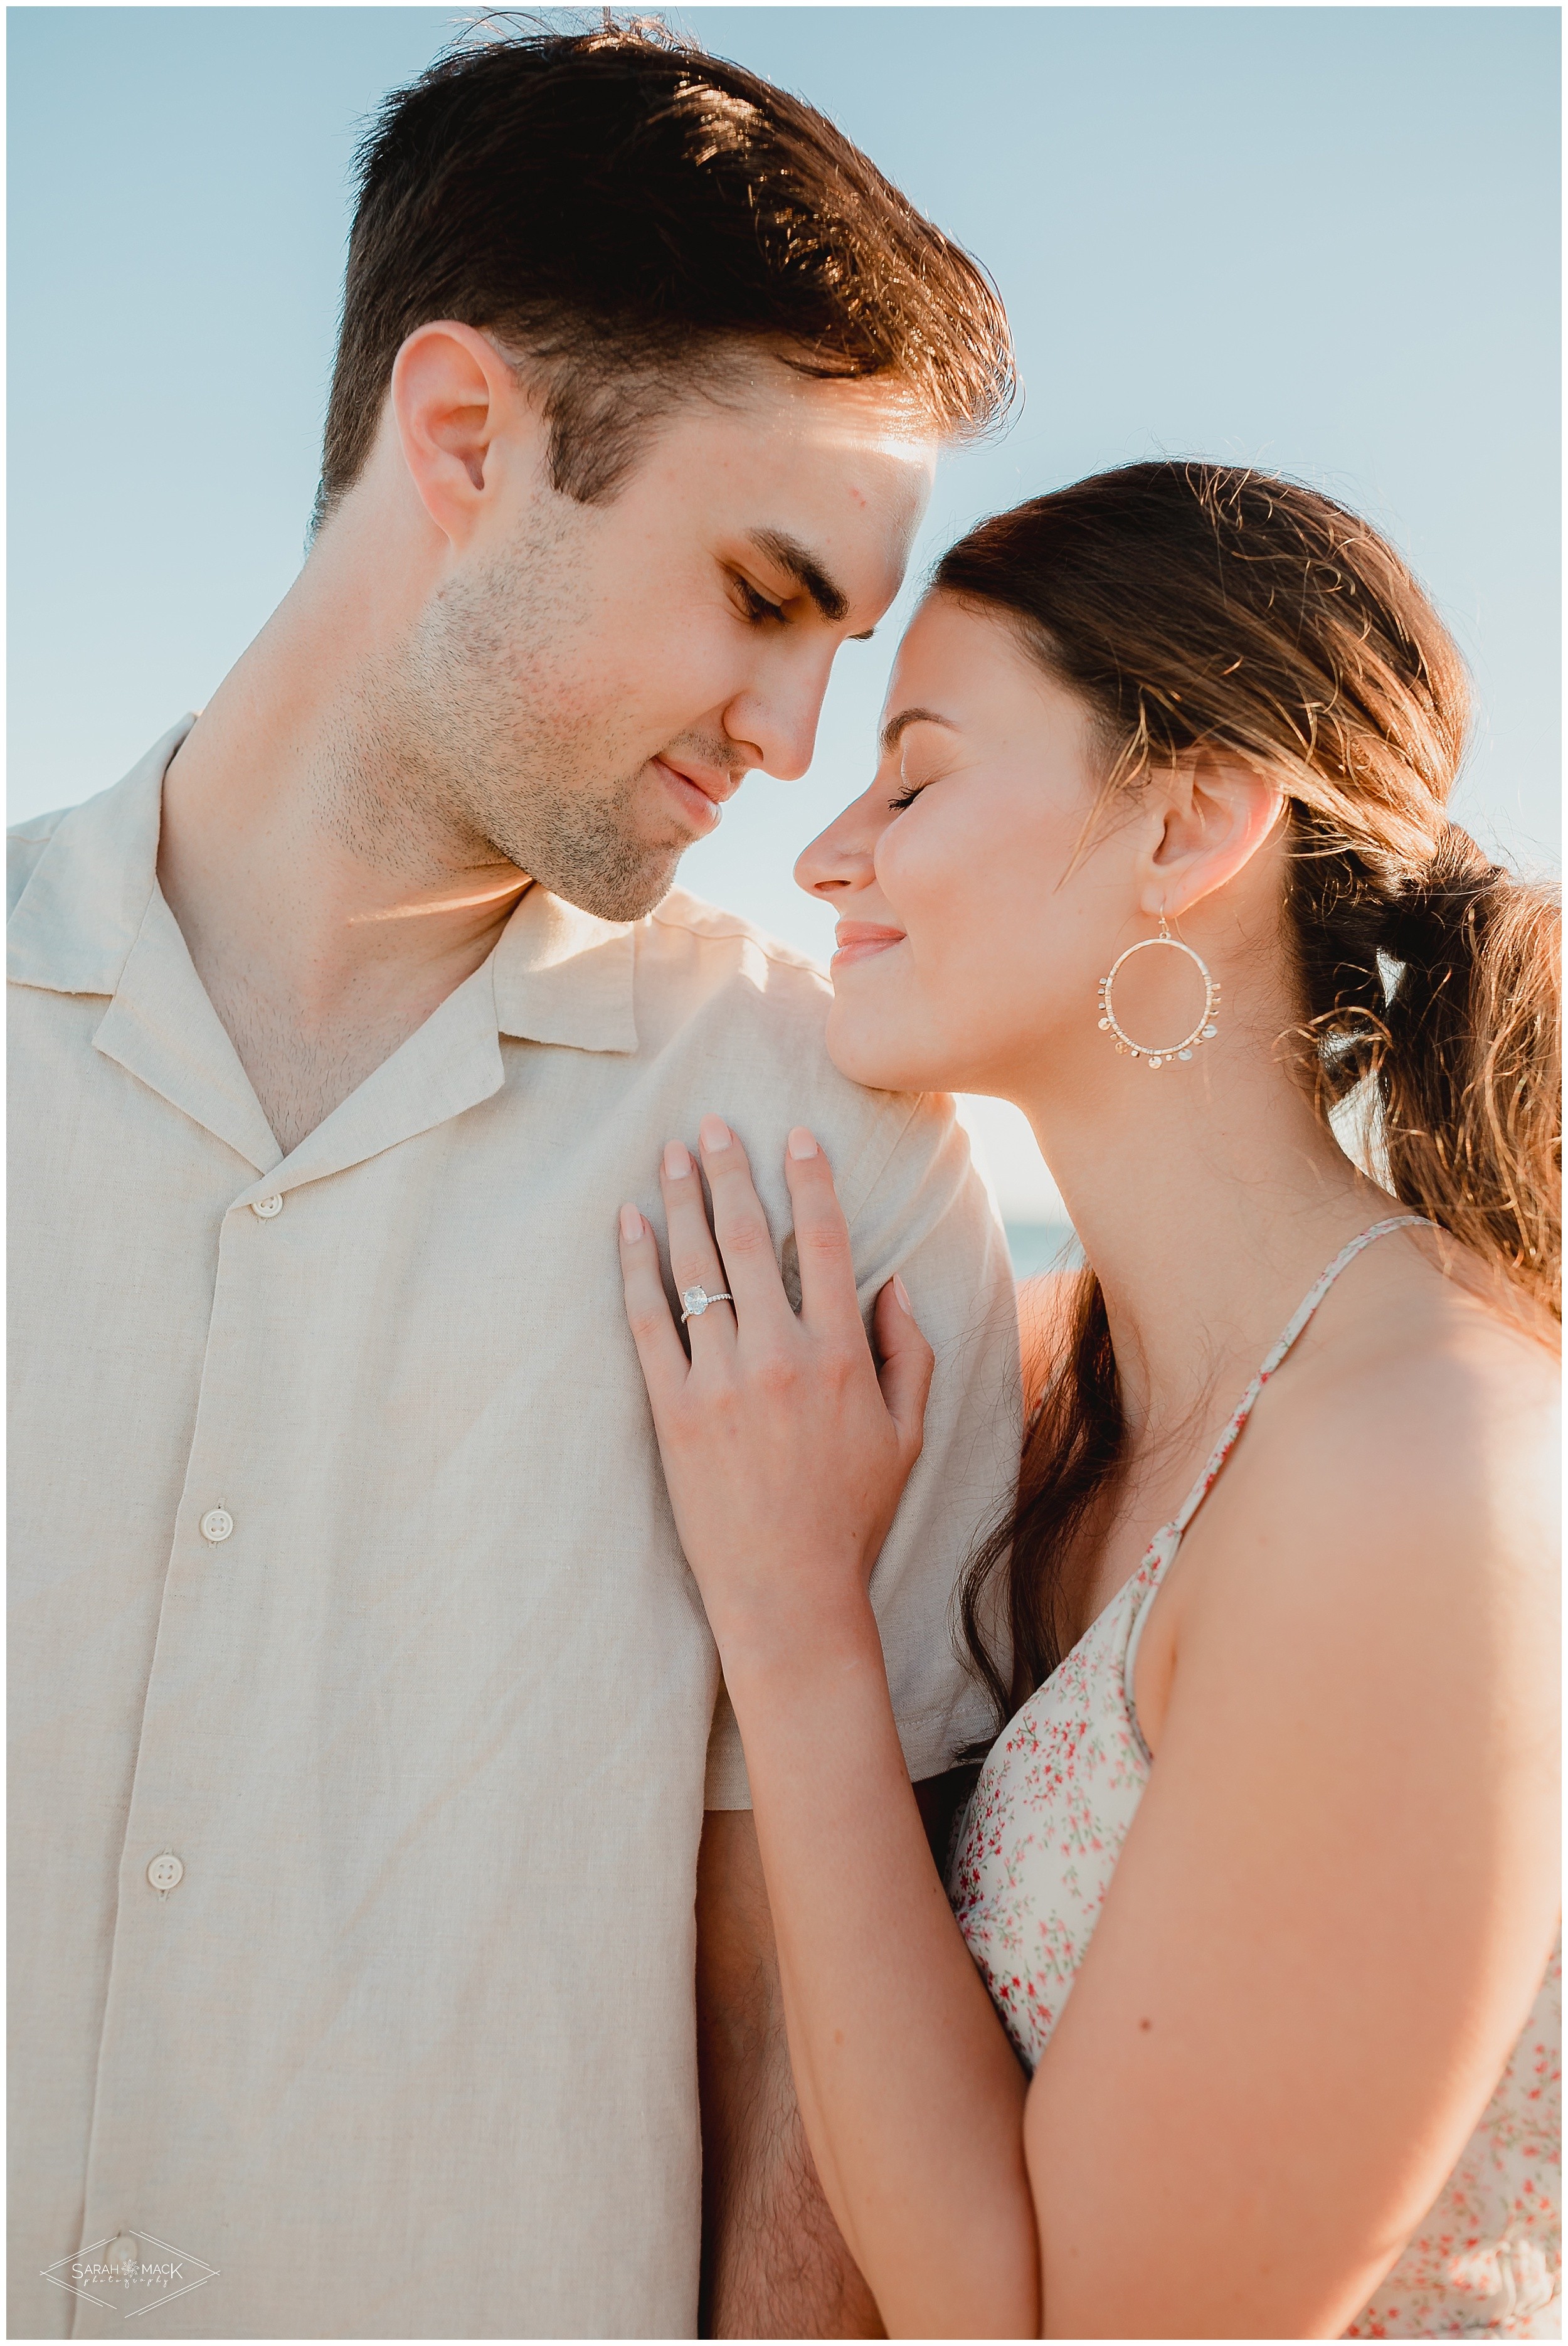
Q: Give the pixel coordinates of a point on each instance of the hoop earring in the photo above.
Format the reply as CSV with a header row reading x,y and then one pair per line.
x,y
1156,1055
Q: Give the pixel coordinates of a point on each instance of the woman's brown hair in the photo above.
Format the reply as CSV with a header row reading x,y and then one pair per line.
x,y
1193,606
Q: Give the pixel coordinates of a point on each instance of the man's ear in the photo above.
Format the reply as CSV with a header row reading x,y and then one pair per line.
x,y
1218,814
453,400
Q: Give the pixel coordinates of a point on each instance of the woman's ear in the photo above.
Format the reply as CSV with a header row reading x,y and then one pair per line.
x,y
456,402
1218,814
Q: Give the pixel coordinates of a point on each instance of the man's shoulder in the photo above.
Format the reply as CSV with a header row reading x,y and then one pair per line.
x,y
708,976
757,1011
37,830
110,842
81,878
754,1004
738,947
24,843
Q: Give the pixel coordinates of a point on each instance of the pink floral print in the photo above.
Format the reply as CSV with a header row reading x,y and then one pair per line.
x,y
1033,1860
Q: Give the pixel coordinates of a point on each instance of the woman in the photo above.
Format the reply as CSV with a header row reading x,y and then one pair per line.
x,y
1260,1877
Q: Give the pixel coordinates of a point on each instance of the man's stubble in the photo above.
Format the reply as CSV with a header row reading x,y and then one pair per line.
x,y
491,741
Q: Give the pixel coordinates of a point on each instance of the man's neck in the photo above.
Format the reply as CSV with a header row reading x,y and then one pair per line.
x,y
326,913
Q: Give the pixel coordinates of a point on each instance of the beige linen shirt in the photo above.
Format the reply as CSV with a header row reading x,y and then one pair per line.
x,y
361,1699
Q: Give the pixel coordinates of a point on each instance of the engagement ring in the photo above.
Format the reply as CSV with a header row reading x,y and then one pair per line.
x,y
697,1300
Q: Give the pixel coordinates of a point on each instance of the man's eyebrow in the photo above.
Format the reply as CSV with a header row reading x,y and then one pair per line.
x,y
897,726
799,563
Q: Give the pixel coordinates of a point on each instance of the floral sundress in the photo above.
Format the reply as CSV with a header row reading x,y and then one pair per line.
x,y
1033,1858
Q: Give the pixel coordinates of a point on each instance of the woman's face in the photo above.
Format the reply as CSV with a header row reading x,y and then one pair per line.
x,y
969,951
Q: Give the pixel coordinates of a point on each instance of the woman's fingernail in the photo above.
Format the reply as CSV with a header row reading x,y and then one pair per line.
x,y
801,1145
676,1159
631,1225
714,1133
901,1291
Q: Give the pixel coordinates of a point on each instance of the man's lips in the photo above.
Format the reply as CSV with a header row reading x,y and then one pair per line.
x,y
859,940
701,791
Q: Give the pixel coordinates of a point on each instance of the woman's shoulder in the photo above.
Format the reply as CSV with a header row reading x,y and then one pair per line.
x,y
1382,1555
1418,1441
1434,1368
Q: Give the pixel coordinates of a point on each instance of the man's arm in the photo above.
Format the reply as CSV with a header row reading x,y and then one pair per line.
x,y
774,2263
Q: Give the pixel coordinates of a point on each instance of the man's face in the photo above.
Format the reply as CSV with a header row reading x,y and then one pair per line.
x,y
590,682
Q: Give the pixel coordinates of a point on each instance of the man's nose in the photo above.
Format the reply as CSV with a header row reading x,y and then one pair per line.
x,y
780,719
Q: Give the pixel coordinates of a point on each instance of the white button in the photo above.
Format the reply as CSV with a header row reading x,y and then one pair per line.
x,y
166,1872
265,1207
217,1524
126,2250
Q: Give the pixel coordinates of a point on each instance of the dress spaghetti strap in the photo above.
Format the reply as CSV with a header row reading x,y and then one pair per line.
x,y
1163,1547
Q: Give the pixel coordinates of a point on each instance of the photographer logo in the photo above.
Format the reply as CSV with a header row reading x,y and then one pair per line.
x,y
129,2273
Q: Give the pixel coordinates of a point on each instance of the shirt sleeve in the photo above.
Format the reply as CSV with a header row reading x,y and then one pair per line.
x,y
926,1212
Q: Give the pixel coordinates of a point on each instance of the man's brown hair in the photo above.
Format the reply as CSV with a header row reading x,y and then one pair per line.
x,y
620,211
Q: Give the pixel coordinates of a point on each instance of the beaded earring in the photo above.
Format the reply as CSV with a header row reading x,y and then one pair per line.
x,y
1157,1054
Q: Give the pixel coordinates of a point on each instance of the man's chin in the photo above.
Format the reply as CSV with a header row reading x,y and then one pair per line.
x,y
621,895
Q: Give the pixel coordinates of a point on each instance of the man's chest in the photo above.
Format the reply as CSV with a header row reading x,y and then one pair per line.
x,y
411,1368
360,1700
301,1069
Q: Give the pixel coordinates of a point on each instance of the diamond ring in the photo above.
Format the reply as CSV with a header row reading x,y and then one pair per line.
x,y
697,1300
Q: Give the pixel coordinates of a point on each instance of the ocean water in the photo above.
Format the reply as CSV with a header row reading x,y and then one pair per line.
x,y
1042,1246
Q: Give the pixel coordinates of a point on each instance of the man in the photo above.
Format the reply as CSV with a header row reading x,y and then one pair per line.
x,y
364,1704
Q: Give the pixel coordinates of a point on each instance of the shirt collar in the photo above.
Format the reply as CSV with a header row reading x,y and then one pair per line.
x,y
82,911
562,975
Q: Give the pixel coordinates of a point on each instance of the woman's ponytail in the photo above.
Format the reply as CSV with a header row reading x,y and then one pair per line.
x,y
1195,607
1470,1083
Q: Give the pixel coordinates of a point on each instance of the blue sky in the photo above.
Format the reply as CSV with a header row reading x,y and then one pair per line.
x,y
1324,239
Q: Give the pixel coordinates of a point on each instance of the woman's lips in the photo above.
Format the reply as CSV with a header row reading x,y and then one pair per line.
x,y
859,940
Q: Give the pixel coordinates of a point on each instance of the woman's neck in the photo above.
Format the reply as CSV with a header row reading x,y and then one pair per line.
x,y
1208,1199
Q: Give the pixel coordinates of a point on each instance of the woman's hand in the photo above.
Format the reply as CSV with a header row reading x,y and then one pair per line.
x,y
785,1452
786,1455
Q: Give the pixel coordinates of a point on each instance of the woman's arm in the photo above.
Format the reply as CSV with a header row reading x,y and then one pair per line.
x,y
1333,1904
911,2096
1339,1894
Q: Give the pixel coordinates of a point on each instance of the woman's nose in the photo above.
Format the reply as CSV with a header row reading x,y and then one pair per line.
x,y
839,856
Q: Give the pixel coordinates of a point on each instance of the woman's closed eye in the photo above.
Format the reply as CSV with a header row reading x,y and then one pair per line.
x,y
912,791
